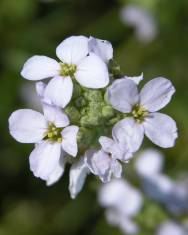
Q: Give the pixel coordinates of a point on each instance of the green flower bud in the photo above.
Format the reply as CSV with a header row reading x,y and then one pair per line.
x,y
80,102
107,111
73,114
94,95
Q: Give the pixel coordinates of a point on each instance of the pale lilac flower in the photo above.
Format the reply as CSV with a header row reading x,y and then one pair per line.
x,y
76,63
53,136
102,48
122,202
141,110
149,163
117,146
171,228
105,162
160,187
143,22
103,165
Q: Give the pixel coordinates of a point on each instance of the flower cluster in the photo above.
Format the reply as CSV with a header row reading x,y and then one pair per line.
x,y
122,202
172,194
93,117
126,207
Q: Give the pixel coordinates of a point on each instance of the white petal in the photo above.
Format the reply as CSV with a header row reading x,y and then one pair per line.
x,y
44,159
121,196
121,149
78,173
123,94
59,90
57,172
116,169
40,89
136,79
112,216
40,67
92,72
133,205
158,187
102,48
106,143
73,49
149,163
131,131
69,142
113,193
55,115
128,226
156,94
161,130
118,150
99,164
27,126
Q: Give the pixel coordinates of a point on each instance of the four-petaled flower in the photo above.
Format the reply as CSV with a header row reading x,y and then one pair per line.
x,y
77,62
53,136
105,162
140,111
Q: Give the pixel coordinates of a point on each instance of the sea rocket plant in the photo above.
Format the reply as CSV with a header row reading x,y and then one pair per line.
x,y
95,128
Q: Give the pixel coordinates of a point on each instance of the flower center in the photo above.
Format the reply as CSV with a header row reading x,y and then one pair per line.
x,y
54,133
139,113
67,69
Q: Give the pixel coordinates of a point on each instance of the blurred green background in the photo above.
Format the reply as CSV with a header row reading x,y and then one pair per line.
x,y
29,27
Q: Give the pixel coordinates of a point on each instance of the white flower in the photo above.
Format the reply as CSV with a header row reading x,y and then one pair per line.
x,y
142,109
77,176
103,165
53,138
116,147
123,202
171,228
102,48
149,163
160,187
105,162
143,22
76,63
